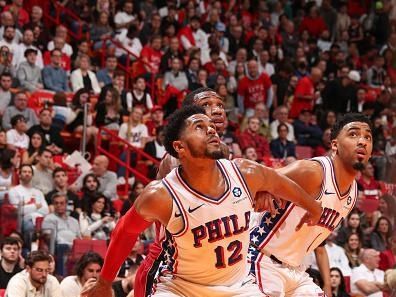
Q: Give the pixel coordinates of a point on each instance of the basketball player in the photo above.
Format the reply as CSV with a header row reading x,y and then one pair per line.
x,y
279,244
214,109
205,205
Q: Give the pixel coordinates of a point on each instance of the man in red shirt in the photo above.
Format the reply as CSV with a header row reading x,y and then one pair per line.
x,y
304,95
251,138
254,88
19,13
151,56
313,23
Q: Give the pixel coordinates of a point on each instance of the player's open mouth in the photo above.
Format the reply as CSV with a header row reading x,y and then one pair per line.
x,y
361,153
214,140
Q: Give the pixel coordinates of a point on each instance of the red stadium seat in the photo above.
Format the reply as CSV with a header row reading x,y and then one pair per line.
x,y
2,292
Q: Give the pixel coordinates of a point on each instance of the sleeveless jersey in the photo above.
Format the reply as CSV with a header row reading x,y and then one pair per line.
x,y
277,236
207,239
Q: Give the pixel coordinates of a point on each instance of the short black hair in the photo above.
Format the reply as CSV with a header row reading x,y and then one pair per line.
x,y
177,124
37,256
16,118
42,151
189,100
9,241
85,260
58,169
346,119
26,165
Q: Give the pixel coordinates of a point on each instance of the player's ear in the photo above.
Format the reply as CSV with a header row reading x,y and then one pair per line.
x,y
178,146
334,145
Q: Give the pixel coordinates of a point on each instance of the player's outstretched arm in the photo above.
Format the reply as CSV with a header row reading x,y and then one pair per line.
x,y
151,205
261,178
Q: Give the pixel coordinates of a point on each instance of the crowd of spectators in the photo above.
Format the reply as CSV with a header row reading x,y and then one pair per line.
x,y
286,71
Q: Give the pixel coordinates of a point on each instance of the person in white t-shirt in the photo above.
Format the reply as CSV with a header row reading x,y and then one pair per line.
x,y
367,279
16,137
123,19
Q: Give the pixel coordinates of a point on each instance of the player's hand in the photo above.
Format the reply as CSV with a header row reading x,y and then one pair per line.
x,y
266,201
311,218
100,288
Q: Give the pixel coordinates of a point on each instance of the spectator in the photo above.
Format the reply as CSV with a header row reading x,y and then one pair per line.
x,y
54,76
337,281
324,148
387,204
156,149
6,61
63,230
61,31
289,39
380,238
9,263
140,97
100,30
105,76
29,201
307,131
240,58
35,278
17,139
251,138
8,162
5,94
376,74
123,19
265,66
156,121
192,36
129,39
80,98
96,222
7,19
18,12
90,187
175,77
366,279
107,179
36,144
340,95
83,77
87,271
53,139
343,19
19,107
28,73
3,141
173,52
313,22
281,115
65,60
254,88
42,177
367,183
20,51
108,111
352,226
337,255
59,175
305,95
126,95
9,39
353,247
251,154
281,148
151,57
136,189
328,120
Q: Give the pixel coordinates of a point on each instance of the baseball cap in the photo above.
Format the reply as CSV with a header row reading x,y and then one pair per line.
x,y
220,27
156,108
354,75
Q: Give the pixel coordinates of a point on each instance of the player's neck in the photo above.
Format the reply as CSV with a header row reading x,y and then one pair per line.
x,y
344,175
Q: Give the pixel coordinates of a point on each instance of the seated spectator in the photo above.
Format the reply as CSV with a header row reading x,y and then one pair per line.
x,y
324,148
176,77
9,38
53,139
352,226
20,50
28,73
337,256
156,149
251,137
59,175
42,175
29,201
108,112
264,65
8,162
5,94
80,98
100,30
376,73
90,187
107,179
313,22
61,31
105,75
386,207
9,263
16,137
230,139
151,57
281,115
250,154
136,189
380,238
54,76
140,96
36,144
97,222
63,230
192,36
156,121
83,77
353,247
367,279
87,271
307,132
173,52
19,107
124,18
367,183
125,95
26,281
337,283
65,60
282,148
62,114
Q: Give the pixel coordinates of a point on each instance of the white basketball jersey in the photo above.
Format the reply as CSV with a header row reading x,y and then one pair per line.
x,y
208,238
277,236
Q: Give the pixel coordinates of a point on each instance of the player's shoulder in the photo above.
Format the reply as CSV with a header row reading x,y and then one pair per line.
x,y
245,164
304,170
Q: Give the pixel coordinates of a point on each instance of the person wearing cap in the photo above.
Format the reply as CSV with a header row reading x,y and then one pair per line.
x,y
219,32
340,95
376,74
156,120
28,73
367,279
